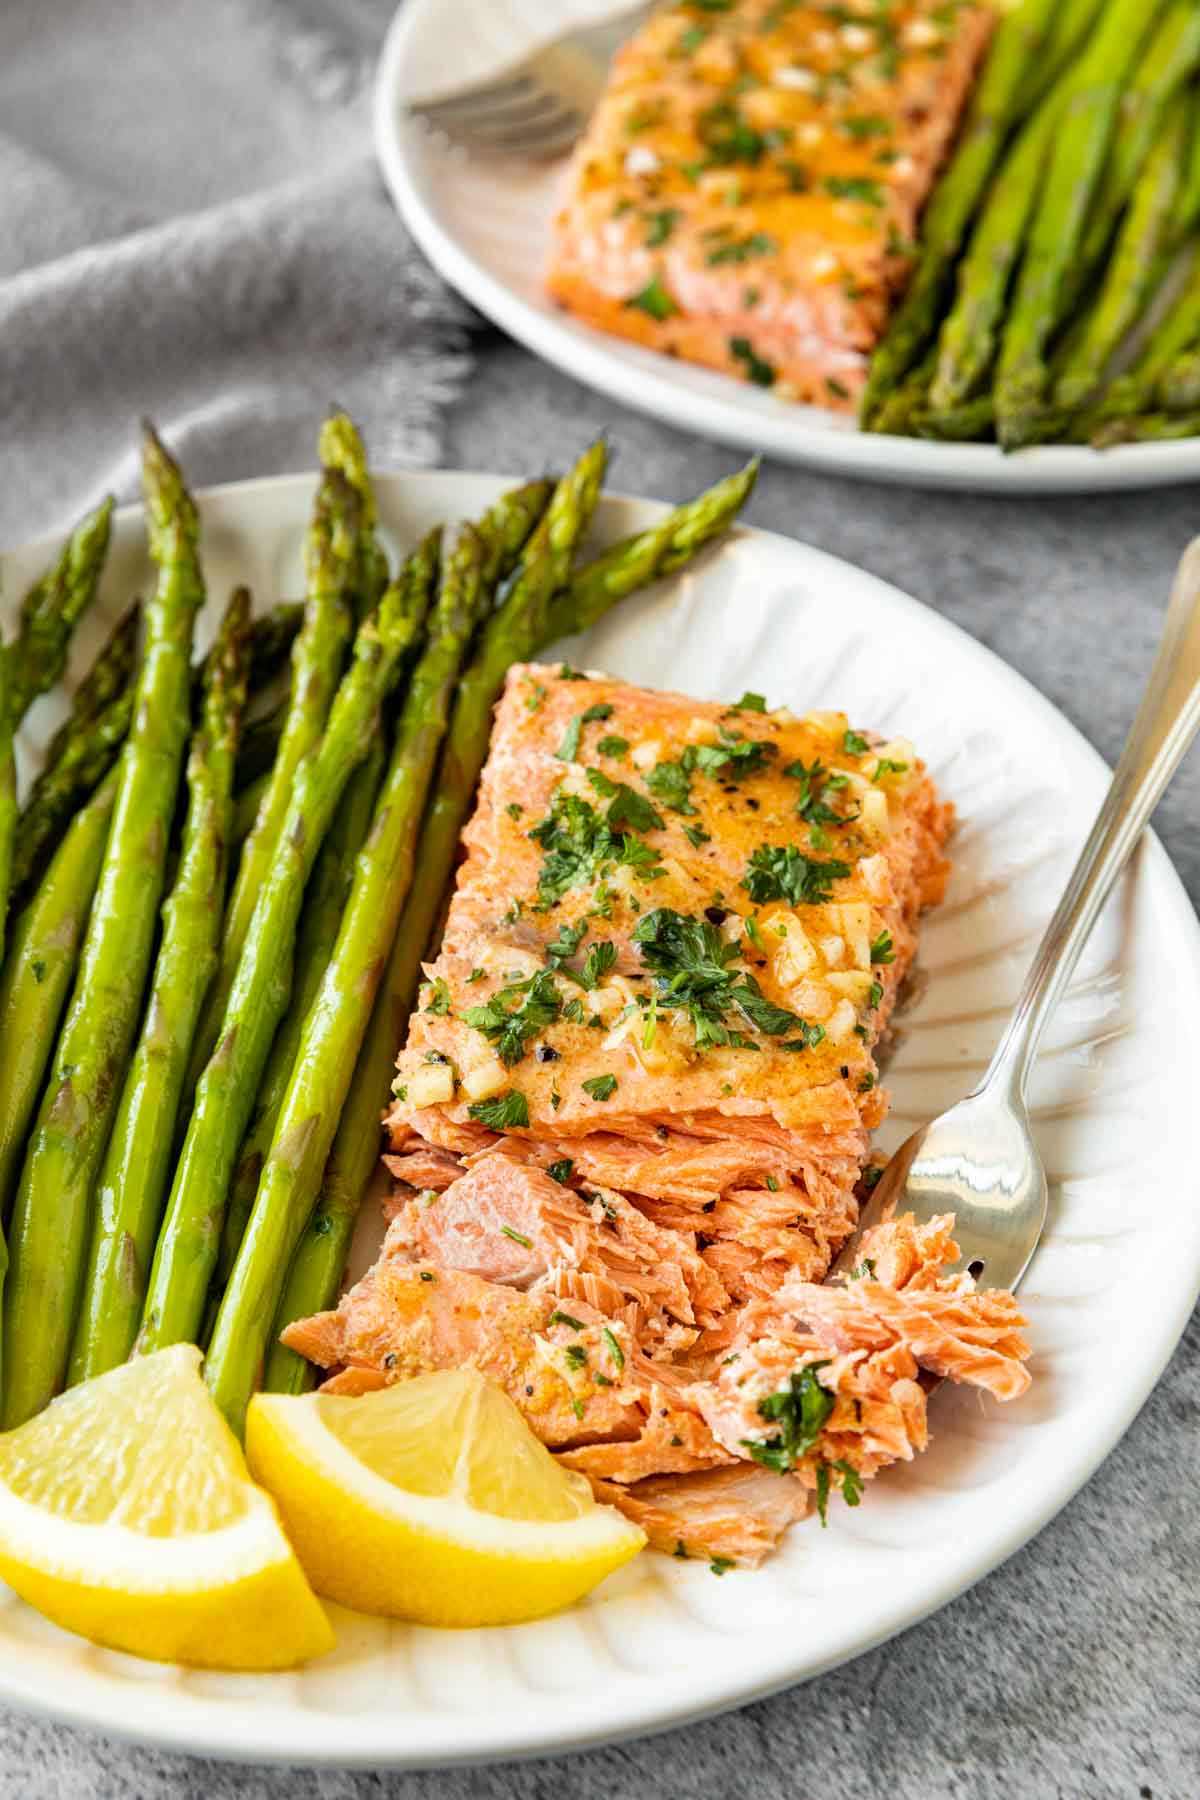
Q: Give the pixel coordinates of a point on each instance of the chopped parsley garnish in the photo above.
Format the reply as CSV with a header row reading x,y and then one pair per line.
x,y
568,750
659,226
599,709
887,767
855,744
854,187
690,962
851,1485
596,964
534,697
516,1014
626,805
503,1112
670,783
881,949
732,757
680,1551
600,1087
696,835
740,250
864,126
772,1184
612,746
566,943
567,673
579,846
866,1084
751,703
439,997
562,1318
874,994
614,1349
573,1012
727,136
576,1356
518,1237
720,1565
758,370
653,300
865,1267
816,784
560,1171
514,809
800,1408
781,872
872,1177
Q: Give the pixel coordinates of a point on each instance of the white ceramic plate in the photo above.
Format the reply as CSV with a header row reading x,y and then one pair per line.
x,y
1108,1294
484,224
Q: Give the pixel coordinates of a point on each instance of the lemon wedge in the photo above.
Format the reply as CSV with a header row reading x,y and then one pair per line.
x,y
127,1515
432,1500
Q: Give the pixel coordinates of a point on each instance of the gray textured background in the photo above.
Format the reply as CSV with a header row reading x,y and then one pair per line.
x,y
1072,1672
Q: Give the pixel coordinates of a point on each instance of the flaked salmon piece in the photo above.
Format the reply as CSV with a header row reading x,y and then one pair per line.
x,y
952,1331
402,1320
423,1166
507,1221
747,190
738,1512
673,1440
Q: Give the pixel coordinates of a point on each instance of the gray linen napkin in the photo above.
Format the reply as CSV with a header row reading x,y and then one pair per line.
x,y
192,226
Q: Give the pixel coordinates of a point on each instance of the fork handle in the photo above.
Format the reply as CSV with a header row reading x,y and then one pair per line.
x,y
1165,725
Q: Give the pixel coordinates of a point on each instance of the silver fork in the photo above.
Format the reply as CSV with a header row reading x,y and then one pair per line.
x,y
538,106
978,1160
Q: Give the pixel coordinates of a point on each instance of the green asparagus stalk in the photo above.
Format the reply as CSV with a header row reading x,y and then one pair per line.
x,y
1129,277
8,796
649,555
136,1166
968,423
320,1256
51,1213
1137,391
899,411
53,607
1000,102
1146,428
324,904
104,682
40,965
317,655
1066,187
1156,81
60,789
1074,21
190,1235
334,1029
1189,203
1179,386
245,810
340,447
272,635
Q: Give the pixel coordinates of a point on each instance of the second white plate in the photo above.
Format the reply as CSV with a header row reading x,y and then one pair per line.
x,y
484,224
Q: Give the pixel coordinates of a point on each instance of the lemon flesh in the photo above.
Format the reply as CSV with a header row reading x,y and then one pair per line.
x,y
127,1515
432,1500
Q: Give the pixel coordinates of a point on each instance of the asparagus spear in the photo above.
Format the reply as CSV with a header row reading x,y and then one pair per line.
x,y
340,447
1189,204
1066,185
272,635
53,607
245,809
1146,428
1129,276
324,904
50,1217
1073,23
136,1164
190,1235
316,668
999,102
1179,386
38,971
59,790
648,555
1171,58
320,1256
335,1028
1137,390
107,678
8,795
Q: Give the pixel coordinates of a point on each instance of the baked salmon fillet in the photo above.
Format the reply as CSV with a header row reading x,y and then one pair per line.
x,y
748,189
633,1114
